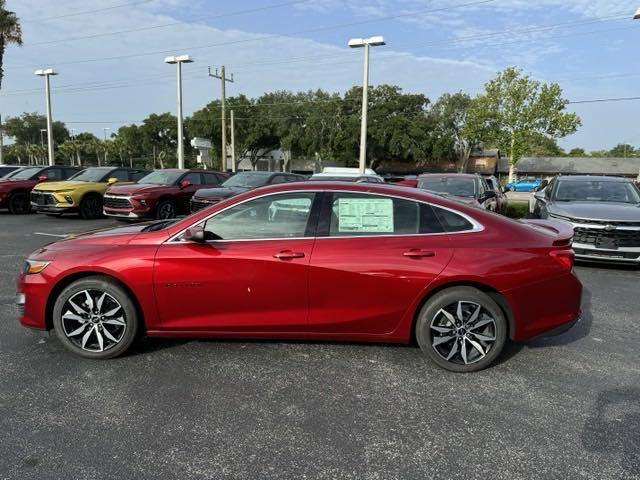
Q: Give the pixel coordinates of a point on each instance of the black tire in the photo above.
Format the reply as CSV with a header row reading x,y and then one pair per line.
x,y
19,203
96,285
462,335
91,207
166,209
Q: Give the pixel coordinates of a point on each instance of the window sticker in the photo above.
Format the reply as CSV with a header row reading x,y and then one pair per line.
x,y
365,215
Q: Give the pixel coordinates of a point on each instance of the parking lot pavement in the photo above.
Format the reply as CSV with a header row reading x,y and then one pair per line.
x,y
567,407
518,197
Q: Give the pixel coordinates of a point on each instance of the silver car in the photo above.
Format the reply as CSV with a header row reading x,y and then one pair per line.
x,y
604,212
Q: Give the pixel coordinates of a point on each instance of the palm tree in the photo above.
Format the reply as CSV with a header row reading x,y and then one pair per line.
x,y
10,32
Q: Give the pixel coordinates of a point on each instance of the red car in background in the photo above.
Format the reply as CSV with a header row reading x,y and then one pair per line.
x,y
313,261
162,194
15,190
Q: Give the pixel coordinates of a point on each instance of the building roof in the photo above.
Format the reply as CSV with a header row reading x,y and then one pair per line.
x,y
579,165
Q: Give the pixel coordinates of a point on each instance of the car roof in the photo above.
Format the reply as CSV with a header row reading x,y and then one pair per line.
x,y
597,178
452,175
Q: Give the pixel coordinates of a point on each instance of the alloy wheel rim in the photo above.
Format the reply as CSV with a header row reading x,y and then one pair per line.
x,y
93,320
463,332
166,211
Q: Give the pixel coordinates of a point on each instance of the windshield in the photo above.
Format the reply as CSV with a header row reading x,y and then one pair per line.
x,y
90,175
161,177
459,187
597,191
247,180
26,174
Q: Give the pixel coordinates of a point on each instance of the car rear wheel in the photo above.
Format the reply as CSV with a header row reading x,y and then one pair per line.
x,y
461,329
166,209
91,207
95,318
19,203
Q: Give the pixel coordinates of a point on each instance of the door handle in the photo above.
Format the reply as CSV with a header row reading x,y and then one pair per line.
x,y
288,255
416,253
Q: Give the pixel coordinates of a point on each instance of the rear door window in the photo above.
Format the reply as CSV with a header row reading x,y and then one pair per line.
x,y
452,222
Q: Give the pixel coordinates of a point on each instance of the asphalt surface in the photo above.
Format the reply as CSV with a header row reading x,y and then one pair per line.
x,y
565,408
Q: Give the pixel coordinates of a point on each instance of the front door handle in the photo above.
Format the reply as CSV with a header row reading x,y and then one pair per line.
x,y
417,253
288,255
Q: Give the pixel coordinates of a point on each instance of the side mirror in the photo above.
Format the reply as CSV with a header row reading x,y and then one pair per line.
x,y
539,195
185,183
42,178
112,180
195,234
489,194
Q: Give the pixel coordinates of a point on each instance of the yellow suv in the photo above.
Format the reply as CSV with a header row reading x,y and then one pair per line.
x,y
83,192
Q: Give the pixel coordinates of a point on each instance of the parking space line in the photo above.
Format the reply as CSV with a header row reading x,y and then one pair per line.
x,y
50,234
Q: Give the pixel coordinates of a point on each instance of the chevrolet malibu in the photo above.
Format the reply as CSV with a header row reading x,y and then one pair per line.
x,y
321,261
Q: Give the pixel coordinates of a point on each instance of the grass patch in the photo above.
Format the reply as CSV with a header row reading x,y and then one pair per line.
x,y
517,210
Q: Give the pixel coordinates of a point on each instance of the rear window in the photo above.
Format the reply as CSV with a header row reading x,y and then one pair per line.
x,y
452,222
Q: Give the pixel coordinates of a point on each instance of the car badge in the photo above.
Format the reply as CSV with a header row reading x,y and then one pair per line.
x,y
609,228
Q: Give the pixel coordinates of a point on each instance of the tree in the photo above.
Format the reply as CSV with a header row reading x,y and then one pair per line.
x,y
545,147
623,150
27,129
10,33
578,152
455,134
160,132
515,110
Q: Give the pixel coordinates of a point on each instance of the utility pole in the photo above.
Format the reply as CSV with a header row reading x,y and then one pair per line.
x,y
233,142
223,98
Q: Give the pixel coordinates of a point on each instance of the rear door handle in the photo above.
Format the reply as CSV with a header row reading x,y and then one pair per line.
x,y
288,255
417,253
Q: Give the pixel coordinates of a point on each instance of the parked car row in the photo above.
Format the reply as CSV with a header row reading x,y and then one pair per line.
x,y
136,194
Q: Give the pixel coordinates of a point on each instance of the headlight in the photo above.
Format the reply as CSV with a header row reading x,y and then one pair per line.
x,y
32,267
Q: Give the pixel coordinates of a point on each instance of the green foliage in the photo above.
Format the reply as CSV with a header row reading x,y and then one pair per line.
x,y
10,33
515,111
26,129
578,152
624,150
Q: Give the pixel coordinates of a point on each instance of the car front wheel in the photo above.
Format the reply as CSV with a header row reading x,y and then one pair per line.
x,y
19,203
91,207
166,210
461,329
95,318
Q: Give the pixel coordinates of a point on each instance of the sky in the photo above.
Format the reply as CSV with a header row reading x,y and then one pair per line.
x,y
109,54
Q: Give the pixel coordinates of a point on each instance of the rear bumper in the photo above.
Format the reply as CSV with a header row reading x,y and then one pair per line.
x,y
551,306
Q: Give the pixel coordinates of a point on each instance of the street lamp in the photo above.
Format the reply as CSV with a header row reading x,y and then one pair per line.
x,y
46,73
42,130
365,43
637,17
105,130
179,60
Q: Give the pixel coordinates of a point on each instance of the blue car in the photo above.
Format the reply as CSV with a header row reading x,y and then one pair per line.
x,y
528,184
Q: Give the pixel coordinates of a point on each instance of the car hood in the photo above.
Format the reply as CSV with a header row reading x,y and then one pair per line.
x,y
107,236
137,189
66,185
602,211
8,184
221,192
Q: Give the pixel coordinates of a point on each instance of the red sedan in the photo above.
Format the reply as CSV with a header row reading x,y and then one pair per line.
x,y
322,261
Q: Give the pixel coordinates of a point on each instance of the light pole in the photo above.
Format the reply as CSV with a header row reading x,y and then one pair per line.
x,y
365,43
42,130
179,60
46,73
637,17
105,130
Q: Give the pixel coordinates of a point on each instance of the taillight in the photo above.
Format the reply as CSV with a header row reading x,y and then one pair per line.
x,y
565,258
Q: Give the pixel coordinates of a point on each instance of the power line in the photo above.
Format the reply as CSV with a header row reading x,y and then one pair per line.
x,y
85,12
271,36
602,100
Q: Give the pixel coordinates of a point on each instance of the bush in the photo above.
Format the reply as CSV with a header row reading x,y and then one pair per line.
x,y
517,210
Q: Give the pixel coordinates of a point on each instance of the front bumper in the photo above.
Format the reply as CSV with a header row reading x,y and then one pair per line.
x,y
53,208
589,253
126,214
31,300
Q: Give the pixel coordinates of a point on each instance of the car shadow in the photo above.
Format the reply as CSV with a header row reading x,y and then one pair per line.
x,y
613,425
